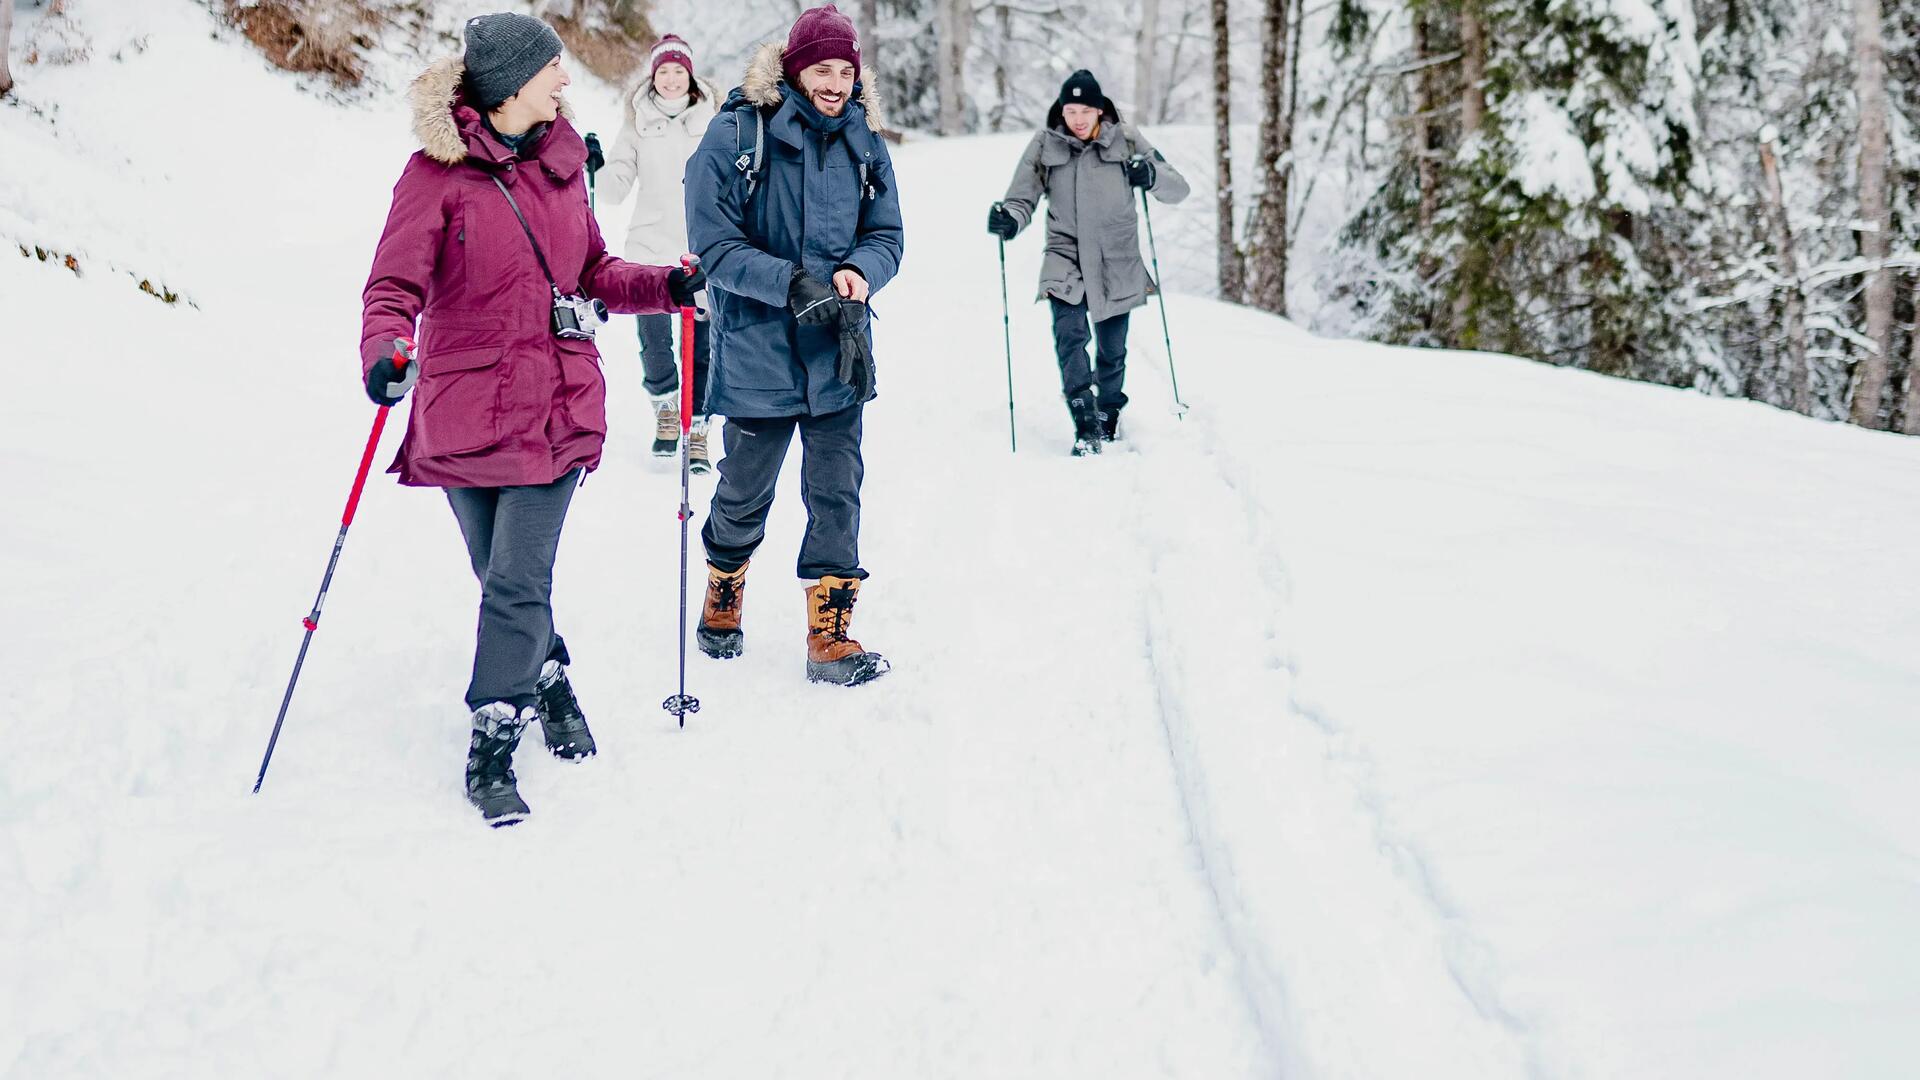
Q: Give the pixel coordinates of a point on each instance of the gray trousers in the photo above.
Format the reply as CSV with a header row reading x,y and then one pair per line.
x,y
1070,338
512,535
662,364
830,473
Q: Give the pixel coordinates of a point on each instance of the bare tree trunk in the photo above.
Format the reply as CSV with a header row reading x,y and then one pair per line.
x,y
6,38
1473,70
869,29
1143,55
1233,270
1796,303
1870,89
1002,79
1267,246
1473,107
1425,160
953,22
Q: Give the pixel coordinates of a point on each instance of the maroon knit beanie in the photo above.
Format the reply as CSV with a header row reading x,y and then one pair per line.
x,y
671,50
820,33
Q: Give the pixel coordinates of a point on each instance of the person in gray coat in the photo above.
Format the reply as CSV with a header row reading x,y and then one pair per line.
x,y
1087,163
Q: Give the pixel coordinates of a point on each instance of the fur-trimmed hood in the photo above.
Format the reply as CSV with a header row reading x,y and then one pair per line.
x,y
765,72
434,95
637,92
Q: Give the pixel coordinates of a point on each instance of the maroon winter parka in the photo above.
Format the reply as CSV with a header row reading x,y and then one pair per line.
x,y
501,400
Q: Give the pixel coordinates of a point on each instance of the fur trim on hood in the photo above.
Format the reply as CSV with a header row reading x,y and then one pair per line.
x,y
433,95
761,84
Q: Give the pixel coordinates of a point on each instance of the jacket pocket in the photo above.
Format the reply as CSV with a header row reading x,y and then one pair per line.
x,y
583,389
458,406
753,351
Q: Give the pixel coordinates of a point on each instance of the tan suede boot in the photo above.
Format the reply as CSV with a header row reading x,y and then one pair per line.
x,y
719,632
833,656
666,424
697,459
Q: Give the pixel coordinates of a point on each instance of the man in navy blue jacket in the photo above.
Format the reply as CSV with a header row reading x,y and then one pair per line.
x,y
792,208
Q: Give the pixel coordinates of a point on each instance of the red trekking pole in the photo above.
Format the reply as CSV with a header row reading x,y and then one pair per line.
x,y
681,703
402,356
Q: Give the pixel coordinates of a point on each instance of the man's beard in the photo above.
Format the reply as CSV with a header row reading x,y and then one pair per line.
x,y
836,108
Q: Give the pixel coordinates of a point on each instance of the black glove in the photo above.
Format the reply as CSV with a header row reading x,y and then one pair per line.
x,y
1140,172
595,159
1000,223
811,302
682,283
386,381
856,356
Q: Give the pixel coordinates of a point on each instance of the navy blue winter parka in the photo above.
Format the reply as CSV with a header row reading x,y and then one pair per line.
x,y
811,210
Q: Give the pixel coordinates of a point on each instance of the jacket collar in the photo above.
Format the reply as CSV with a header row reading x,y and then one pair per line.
x,y
1060,146
451,131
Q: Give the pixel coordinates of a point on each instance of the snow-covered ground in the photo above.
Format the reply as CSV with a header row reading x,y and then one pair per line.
x,y
1393,714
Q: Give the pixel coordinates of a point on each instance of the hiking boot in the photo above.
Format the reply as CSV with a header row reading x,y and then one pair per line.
x,y
491,786
1086,426
561,722
697,459
832,655
719,632
1110,424
666,424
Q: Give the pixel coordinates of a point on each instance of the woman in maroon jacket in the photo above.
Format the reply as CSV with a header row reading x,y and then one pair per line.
x,y
491,247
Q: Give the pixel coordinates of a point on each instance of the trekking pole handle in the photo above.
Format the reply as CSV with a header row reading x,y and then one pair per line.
x,y
403,353
689,262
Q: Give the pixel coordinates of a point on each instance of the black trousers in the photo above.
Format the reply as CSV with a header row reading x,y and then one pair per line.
x,y
830,473
512,535
1070,338
661,362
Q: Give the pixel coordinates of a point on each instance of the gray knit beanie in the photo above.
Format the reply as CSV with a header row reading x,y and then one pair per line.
x,y
504,52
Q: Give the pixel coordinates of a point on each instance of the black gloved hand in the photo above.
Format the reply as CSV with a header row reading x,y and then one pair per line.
x,y
812,302
1141,173
682,283
1000,223
595,159
856,355
386,381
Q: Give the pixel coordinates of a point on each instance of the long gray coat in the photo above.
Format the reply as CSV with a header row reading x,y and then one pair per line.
x,y
1093,233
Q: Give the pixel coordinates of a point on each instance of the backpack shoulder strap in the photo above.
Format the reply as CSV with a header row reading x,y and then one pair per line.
x,y
749,154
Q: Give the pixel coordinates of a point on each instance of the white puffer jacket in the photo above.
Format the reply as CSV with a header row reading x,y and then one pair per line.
x,y
652,152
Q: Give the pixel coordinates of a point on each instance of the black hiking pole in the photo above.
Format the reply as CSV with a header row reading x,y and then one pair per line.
x,y
1006,326
402,355
595,159
1165,334
682,703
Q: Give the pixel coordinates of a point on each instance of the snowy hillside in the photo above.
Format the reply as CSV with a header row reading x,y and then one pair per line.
x,y
1394,714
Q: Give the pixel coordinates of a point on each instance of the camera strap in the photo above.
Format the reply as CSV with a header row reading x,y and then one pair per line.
x,y
529,231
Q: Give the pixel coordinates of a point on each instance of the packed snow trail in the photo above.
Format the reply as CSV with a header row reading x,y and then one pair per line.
x,y
1393,714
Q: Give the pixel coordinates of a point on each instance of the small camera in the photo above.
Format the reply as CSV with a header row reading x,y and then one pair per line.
x,y
577,317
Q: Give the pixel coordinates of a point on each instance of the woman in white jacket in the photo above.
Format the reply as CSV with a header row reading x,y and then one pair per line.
x,y
666,116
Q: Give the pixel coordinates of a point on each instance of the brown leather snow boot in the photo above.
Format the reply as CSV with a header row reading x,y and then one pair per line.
x,y
833,656
719,632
